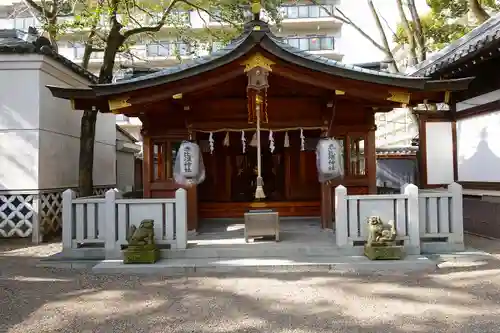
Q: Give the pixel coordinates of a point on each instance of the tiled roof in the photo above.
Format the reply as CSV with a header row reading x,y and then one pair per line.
x,y
252,36
484,36
397,151
257,34
14,41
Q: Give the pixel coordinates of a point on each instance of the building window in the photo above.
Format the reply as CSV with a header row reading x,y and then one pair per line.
x,y
79,50
167,49
311,43
175,17
158,49
306,11
357,160
23,23
164,154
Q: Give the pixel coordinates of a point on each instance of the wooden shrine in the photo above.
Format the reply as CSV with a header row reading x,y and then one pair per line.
x,y
214,100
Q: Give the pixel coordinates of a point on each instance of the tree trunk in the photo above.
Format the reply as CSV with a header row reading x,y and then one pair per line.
x,y
409,33
479,13
86,162
419,34
392,65
89,118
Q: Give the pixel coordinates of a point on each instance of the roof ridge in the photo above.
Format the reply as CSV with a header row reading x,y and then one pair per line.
x,y
455,46
16,41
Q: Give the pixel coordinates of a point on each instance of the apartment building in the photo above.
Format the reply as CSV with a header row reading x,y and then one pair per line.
x,y
304,25
395,129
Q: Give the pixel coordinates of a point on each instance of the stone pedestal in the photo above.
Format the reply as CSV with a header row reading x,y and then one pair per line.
x,y
145,254
384,252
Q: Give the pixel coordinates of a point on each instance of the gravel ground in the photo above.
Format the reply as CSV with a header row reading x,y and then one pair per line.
x,y
461,297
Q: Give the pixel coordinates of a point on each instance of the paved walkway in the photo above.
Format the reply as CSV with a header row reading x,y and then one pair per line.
x,y
463,296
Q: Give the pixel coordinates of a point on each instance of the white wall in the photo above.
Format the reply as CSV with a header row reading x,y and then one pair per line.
x,y
19,138
60,127
439,153
125,170
39,134
478,148
479,100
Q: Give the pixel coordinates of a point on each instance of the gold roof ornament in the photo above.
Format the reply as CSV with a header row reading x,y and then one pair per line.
x,y
256,7
447,97
116,104
399,97
258,60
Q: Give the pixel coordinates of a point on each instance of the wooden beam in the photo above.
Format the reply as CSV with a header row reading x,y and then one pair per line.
x,y
333,83
186,87
211,125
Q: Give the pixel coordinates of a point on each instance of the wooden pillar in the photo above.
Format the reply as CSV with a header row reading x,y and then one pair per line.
x,y
326,206
192,201
422,152
147,164
371,162
192,208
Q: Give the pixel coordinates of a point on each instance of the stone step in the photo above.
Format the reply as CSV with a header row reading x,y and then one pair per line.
x,y
68,264
280,250
341,264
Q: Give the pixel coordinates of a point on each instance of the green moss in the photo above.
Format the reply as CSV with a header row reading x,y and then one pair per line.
x,y
141,255
389,252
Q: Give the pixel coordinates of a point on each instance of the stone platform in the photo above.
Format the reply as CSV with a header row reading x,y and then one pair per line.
x,y
333,264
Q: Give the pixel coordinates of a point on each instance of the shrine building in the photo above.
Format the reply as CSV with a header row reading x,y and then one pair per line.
x,y
303,97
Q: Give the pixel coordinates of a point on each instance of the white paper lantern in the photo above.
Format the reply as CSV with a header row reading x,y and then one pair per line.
x,y
329,157
189,153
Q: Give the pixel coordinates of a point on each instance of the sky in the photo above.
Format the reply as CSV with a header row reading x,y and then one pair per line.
x,y
356,48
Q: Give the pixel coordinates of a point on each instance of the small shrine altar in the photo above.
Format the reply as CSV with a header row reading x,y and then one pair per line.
x,y
257,109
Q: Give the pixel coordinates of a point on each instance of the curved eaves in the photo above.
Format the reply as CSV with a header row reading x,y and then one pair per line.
x,y
195,67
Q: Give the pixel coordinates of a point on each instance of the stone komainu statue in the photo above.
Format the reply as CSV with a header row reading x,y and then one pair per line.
x,y
143,235
380,232
381,242
141,244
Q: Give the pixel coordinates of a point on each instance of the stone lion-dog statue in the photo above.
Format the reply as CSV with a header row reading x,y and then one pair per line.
x,y
143,235
141,244
381,243
380,232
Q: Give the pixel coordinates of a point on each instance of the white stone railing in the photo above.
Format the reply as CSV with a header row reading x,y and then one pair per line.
x,y
85,220
102,225
441,219
425,222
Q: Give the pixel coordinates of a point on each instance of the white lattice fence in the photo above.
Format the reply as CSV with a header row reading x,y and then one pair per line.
x,y
50,212
35,214
16,215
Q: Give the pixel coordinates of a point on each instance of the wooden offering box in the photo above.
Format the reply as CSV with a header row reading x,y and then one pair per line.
x,y
262,223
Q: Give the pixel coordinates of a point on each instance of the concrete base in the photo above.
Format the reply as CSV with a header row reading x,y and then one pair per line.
x,y
342,264
141,255
435,248
389,252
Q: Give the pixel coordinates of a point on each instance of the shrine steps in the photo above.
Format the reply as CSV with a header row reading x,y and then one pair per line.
x,y
207,266
256,250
